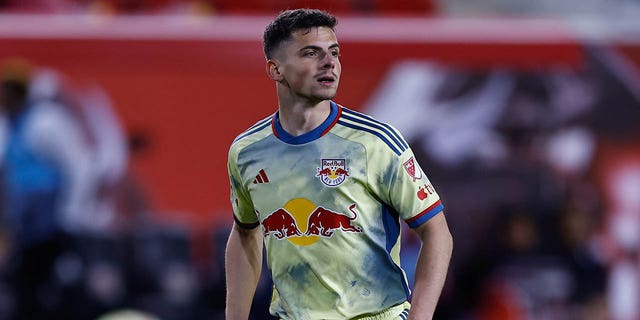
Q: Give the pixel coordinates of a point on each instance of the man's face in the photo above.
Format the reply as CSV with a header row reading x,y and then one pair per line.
x,y
309,64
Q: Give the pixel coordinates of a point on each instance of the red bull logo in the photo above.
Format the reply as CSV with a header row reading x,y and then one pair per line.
x,y
303,223
323,221
333,172
281,224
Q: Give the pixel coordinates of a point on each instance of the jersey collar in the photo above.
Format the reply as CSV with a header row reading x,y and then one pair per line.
x,y
314,134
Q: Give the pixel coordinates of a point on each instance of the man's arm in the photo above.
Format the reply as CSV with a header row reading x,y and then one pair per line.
x,y
431,269
243,264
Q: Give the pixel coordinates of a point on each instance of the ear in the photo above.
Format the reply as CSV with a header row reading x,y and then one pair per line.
x,y
273,71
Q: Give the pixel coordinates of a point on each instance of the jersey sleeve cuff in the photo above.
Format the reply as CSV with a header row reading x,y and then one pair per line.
x,y
246,225
425,215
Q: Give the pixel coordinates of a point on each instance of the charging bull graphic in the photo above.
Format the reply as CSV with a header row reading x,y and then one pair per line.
x,y
322,222
281,223
303,223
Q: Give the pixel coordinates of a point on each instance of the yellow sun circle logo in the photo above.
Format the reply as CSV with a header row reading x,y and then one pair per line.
x,y
301,209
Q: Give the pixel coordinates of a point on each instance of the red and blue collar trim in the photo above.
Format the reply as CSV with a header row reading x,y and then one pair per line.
x,y
314,134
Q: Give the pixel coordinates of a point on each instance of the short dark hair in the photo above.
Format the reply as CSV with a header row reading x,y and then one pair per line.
x,y
288,21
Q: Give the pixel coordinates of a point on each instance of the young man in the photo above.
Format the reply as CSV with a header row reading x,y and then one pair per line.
x,y
323,188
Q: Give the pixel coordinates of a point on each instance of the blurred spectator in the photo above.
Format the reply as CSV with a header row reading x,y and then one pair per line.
x,y
46,179
107,147
83,239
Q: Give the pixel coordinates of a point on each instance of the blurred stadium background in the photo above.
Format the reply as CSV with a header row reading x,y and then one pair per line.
x,y
524,114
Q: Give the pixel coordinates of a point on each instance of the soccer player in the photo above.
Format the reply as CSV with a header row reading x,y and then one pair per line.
x,y
323,188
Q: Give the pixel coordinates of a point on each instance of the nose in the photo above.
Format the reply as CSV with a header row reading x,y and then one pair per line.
x,y
329,61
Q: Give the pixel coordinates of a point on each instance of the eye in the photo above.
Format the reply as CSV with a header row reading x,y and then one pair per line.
x,y
335,53
310,53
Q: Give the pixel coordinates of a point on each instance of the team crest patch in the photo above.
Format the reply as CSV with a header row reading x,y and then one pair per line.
x,y
412,169
333,172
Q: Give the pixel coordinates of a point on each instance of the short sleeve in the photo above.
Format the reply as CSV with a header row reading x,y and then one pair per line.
x,y
412,195
243,211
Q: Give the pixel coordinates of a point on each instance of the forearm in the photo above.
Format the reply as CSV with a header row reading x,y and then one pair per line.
x,y
243,264
431,268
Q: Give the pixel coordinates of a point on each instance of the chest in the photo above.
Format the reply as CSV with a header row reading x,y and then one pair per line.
x,y
329,172
314,166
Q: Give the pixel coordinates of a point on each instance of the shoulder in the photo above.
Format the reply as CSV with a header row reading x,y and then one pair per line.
x,y
50,117
52,129
372,132
256,132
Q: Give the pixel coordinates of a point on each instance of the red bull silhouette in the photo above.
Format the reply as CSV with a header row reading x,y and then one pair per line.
x,y
327,171
322,222
342,172
281,224
324,172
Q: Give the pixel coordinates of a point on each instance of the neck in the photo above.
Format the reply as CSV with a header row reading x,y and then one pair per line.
x,y
300,118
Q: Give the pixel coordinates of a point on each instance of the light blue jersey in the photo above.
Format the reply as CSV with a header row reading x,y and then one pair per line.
x,y
329,203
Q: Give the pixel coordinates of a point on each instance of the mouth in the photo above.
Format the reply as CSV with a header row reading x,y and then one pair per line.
x,y
326,80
